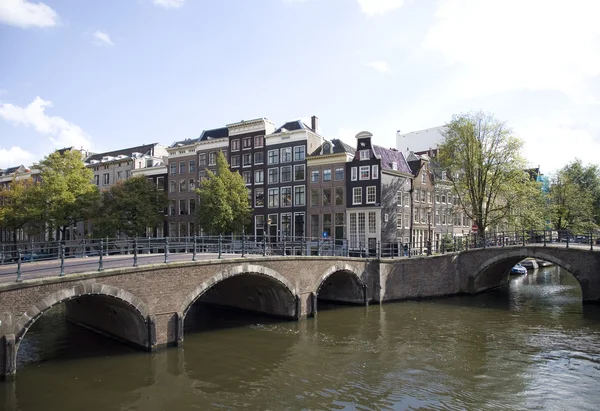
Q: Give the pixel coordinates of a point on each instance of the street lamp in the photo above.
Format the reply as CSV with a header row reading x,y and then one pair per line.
x,y
429,230
269,229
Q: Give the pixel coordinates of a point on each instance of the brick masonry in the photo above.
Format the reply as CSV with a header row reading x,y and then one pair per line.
x,y
149,303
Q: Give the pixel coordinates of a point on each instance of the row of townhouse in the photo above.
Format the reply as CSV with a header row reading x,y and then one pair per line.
x,y
300,185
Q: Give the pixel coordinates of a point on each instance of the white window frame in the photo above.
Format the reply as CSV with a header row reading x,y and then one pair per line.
x,y
297,189
371,195
365,154
354,173
365,169
356,193
259,176
375,171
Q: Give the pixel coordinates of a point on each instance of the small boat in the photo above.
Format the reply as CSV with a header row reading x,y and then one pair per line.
x,y
519,270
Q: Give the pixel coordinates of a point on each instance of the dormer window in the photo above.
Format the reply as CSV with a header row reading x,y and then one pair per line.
x,y
365,154
394,165
443,176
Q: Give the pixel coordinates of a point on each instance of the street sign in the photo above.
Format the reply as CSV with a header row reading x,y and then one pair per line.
x,y
325,234
474,228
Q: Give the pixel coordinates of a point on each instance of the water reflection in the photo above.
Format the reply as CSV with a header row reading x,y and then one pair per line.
x,y
529,345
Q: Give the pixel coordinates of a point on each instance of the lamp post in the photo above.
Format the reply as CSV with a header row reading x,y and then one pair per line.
x,y
429,230
266,228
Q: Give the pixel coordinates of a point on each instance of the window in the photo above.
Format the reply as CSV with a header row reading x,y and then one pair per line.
x,y
201,160
182,229
299,196
235,145
299,172
357,195
422,196
273,197
119,175
192,166
259,141
299,153
371,194
273,156
326,175
235,161
327,224
182,185
182,167
314,197
106,180
443,176
259,197
365,172
339,173
182,207
247,160
259,177
423,178
399,195
375,171
416,215
406,200
212,158
172,205
286,174
259,226
247,175
437,198
429,196
274,175
173,169
172,186
160,183
339,196
399,224
298,224
191,184
192,208
259,157
326,196
353,174
286,196
365,154
339,225
314,226
247,143
314,176
97,180
286,224
286,154
443,198
372,223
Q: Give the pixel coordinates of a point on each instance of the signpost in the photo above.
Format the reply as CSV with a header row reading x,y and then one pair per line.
x,y
474,228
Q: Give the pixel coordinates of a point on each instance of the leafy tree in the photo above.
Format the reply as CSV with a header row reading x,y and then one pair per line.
x,y
224,205
67,193
18,207
130,207
588,180
571,206
484,163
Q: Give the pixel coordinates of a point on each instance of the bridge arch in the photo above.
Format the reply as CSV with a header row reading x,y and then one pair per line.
x,y
341,283
253,269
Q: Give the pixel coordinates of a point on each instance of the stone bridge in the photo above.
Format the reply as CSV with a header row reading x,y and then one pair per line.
x,y
146,306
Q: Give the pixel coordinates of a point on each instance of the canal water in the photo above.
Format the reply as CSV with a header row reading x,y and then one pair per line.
x,y
532,345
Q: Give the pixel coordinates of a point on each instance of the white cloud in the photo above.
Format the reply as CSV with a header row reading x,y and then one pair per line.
x,y
61,132
102,38
169,4
14,156
380,66
372,7
506,45
23,13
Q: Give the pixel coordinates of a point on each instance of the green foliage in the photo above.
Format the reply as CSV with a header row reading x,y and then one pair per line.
x,y
130,207
224,205
66,194
486,157
573,197
18,206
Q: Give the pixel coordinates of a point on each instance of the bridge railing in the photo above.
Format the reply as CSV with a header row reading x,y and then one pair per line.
x,y
39,259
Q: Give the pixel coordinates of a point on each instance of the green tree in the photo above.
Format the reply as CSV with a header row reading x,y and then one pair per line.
x,y
18,207
130,207
67,193
588,180
224,205
484,163
571,206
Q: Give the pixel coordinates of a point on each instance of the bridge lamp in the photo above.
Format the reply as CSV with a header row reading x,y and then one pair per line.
x,y
429,229
269,228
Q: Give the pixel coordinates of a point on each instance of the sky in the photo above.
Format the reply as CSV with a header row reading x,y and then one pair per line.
x,y
111,74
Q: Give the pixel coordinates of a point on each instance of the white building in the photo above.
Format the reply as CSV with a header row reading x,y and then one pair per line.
x,y
420,141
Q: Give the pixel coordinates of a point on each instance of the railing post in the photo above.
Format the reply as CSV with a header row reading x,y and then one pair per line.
x,y
101,253
544,237
194,250
264,245
220,245
106,250
166,250
128,245
19,266
378,249
523,238
135,252
303,245
284,253
243,242
318,247
62,260
591,242
567,239
2,256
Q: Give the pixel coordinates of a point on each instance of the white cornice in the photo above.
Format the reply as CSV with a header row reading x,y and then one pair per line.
x,y
210,144
249,126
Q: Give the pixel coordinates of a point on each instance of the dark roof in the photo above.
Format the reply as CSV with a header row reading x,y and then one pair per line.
x,y
389,156
11,170
338,146
214,133
145,149
292,125
184,142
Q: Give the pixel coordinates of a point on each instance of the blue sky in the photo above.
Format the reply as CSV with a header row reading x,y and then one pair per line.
x,y
109,74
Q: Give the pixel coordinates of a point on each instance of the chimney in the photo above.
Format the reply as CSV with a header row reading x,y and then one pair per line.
x,y
314,123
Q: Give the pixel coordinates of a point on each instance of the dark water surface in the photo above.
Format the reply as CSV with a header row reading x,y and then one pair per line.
x,y
530,346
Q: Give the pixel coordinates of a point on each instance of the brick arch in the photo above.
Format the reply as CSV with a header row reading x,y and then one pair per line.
x,y
23,324
338,268
232,272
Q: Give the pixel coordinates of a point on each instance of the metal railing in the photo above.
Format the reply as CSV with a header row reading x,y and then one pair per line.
x,y
94,254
